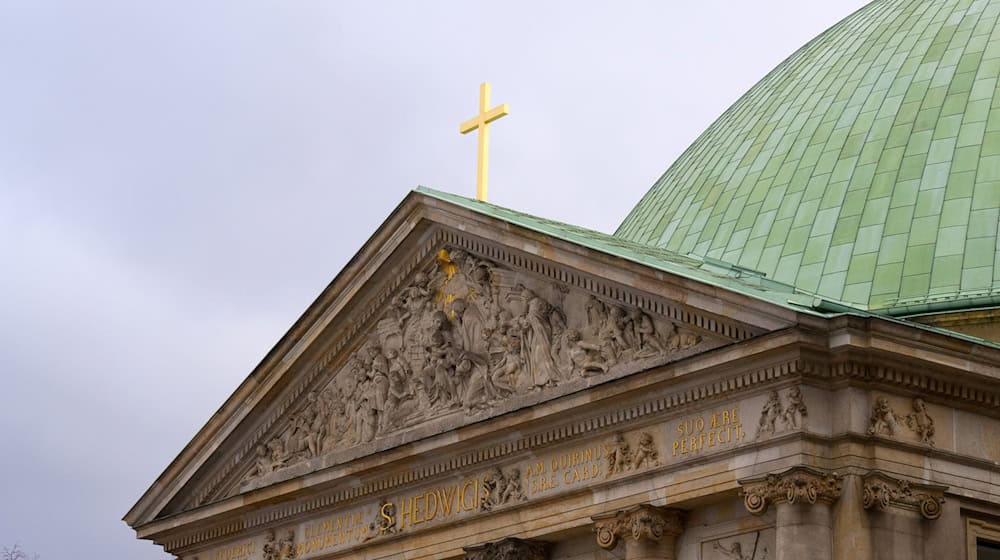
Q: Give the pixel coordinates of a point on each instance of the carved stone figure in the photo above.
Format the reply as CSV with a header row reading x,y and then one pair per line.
x,y
646,453
883,419
537,339
262,463
921,422
585,358
465,333
501,488
795,410
286,548
769,414
735,551
270,548
617,456
644,334
278,455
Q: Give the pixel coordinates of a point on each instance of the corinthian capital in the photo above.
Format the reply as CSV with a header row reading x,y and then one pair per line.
x,y
508,549
642,522
796,485
882,491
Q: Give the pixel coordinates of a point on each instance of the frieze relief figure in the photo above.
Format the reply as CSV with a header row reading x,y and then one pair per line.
x,y
777,415
885,421
500,488
735,550
462,336
619,456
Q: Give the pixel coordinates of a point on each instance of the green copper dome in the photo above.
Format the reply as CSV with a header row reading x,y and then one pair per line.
x,y
865,168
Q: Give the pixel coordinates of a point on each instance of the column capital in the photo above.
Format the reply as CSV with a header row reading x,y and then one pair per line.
x,y
641,522
508,549
882,491
795,485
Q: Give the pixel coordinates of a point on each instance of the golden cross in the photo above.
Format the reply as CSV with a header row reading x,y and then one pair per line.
x,y
482,122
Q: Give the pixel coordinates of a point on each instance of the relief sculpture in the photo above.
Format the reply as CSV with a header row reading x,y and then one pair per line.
x,y
620,457
460,337
777,415
885,421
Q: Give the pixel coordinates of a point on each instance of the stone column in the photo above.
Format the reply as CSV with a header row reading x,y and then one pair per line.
x,y
802,498
508,549
899,511
649,532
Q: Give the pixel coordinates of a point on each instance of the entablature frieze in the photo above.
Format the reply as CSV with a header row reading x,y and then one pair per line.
x,y
704,422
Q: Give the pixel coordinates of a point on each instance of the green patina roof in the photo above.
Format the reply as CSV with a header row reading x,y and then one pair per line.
x,y
704,270
865,168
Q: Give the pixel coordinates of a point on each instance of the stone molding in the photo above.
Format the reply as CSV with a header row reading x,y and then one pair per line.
x,y
642,522
619,420
883,492
217,487
508,549
795,485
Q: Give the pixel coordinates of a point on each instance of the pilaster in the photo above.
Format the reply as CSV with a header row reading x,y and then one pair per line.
x,y
802,497
899,511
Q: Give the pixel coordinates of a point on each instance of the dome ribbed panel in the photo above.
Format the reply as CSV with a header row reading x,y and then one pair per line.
x,y
864,168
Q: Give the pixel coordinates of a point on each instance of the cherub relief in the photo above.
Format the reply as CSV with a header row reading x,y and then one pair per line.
x,y
770,414
921,422
883,419
646,453
617,456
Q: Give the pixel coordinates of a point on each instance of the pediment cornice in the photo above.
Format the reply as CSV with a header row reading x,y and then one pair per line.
x,y
334,326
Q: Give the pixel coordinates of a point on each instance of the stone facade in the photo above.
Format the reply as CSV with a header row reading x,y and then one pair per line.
x,y
471,389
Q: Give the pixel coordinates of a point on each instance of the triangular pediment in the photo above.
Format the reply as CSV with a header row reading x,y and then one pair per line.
x,y
439,322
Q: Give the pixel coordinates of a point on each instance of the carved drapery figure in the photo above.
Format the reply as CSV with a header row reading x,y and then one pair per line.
x,y
466,334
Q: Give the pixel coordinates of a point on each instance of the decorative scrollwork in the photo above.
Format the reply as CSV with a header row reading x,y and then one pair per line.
x,y
882,492
508,549
642,522
796,485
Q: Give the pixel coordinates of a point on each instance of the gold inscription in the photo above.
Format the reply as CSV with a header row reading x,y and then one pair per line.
x,y
696,434
235,552
333,531
436,503
567,469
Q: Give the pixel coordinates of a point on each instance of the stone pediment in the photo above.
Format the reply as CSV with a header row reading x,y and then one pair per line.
x,y
464,338
450,326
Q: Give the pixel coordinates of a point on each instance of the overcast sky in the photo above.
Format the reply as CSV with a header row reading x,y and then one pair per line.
x,y
180,179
